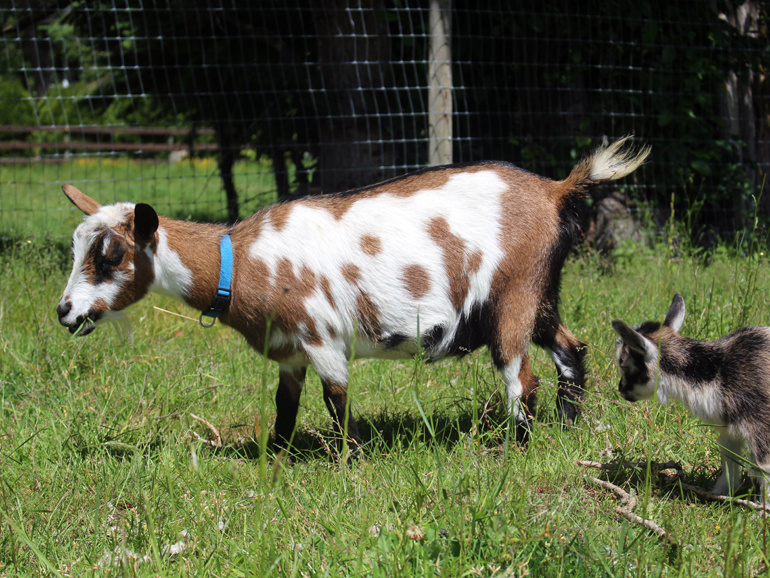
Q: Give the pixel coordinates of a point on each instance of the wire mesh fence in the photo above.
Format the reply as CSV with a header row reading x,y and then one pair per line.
x,y
211,108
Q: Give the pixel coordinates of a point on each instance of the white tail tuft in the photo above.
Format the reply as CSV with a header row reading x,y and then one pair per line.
x,y
611,162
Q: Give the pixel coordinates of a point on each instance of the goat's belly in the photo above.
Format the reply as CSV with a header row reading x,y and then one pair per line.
x,y
365,349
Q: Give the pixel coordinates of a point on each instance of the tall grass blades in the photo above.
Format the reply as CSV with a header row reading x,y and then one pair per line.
x,y
100,473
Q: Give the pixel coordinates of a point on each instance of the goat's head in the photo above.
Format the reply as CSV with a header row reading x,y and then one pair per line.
x,y
112,261
638,352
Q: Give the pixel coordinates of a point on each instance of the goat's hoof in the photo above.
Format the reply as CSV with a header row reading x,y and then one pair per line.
x,y
523,433
567,412
355,453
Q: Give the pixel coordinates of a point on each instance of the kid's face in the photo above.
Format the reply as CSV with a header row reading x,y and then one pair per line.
x,y
635,378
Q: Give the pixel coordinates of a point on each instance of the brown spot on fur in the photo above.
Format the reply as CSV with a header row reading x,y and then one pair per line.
x,y
100,306
282,353
312,337
529,383
201,256
417,281
259,296
371,245
453,249
278,215
330,330
352,273
474,262
326,289
368,317
138,283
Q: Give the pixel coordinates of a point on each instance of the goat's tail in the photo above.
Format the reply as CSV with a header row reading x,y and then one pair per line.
x,y
606,163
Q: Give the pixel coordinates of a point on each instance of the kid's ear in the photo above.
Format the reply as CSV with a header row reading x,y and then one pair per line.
x,y
635,340
145,222
675,316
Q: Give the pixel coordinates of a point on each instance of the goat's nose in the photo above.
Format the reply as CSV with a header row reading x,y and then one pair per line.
x,y
62,309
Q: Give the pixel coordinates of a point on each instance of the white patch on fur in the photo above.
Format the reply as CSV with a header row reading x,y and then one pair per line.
x,y
172,277
329,362
470,205
564,369
704,401
514,389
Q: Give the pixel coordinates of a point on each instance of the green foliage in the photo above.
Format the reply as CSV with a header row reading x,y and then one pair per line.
x,y
16,108
654,68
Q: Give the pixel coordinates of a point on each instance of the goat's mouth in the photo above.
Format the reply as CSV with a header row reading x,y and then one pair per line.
x,y
628,395
83,326
86,327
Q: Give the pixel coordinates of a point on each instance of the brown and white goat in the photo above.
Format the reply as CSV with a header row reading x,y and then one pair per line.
x,y
448,259
724,382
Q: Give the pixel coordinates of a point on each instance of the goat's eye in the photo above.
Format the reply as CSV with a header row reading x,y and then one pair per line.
x,y
114,259
106,262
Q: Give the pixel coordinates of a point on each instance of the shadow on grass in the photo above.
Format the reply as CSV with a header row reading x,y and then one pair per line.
x,y
642,477
390,431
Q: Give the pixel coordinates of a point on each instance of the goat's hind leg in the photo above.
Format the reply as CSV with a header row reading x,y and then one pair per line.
x,y
760,466
567,353
521,390
730,478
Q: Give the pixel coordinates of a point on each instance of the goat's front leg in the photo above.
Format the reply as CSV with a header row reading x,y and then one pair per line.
x,y
336,399
290,382
567,353
331,366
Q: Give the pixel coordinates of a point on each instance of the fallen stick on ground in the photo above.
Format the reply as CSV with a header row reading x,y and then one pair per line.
x,y
216,442
627,510
659,467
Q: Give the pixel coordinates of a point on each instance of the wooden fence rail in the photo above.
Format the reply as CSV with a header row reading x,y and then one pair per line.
x,y
68,132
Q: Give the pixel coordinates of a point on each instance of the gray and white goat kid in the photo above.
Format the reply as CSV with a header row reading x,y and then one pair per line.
x,y
448,259
725,383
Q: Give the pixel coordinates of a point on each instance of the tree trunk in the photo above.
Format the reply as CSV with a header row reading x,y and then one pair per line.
x,y
36,45
354,51
228,152
737,101
281,174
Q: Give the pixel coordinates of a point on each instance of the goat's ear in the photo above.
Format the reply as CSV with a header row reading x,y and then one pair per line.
x,y
145,222
81,201
635,340
675,316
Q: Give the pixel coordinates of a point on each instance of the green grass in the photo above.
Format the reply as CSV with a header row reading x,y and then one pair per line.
x,y
33,204
99,474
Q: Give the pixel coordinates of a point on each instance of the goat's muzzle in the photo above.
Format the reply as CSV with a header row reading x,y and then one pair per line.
x,y
82,324
627,395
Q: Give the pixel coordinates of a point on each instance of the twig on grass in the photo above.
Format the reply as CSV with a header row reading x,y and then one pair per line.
x,y
620,465
667,479
627,511
216,443
729,499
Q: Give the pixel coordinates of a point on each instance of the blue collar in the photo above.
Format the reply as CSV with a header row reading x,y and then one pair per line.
x,y
222,298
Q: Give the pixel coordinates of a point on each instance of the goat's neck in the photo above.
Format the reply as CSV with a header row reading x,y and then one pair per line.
x,y
186,261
